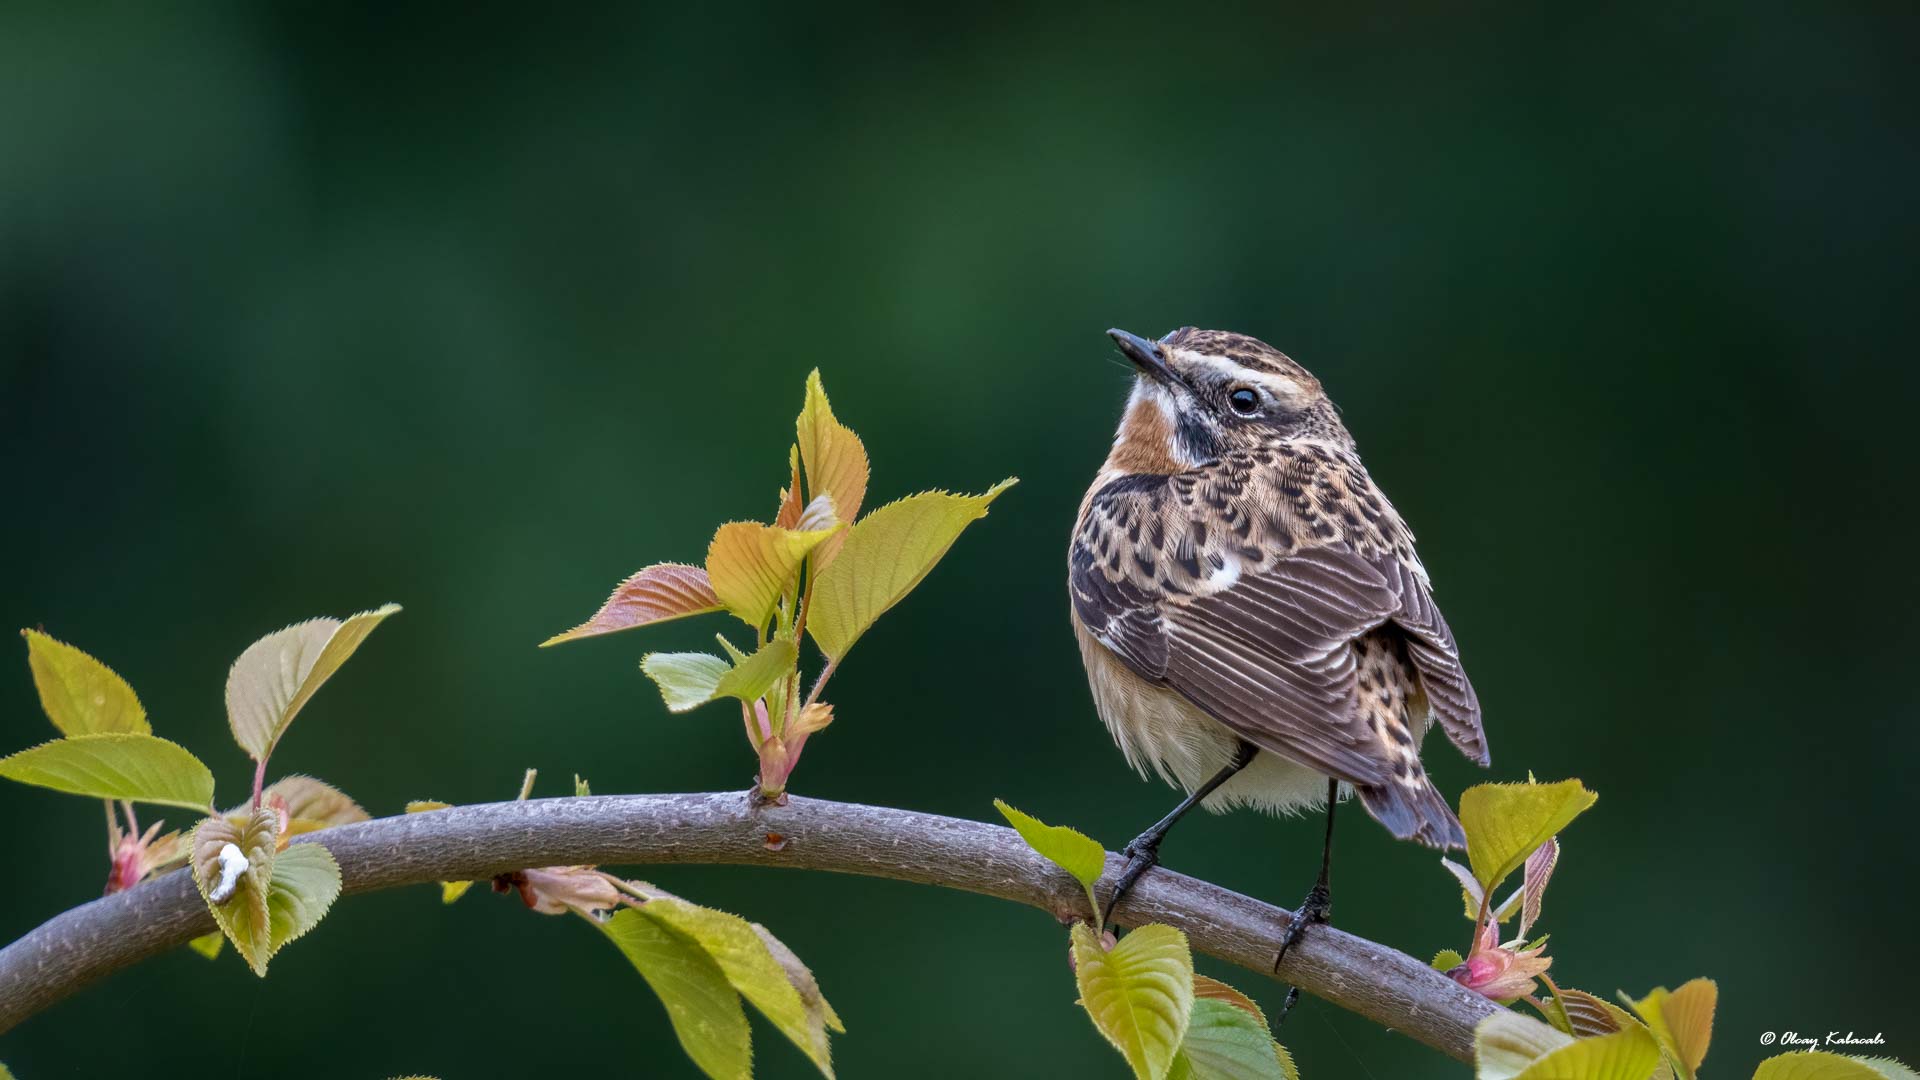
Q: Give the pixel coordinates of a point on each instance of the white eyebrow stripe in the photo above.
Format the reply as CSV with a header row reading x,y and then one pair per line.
x,y
1280,386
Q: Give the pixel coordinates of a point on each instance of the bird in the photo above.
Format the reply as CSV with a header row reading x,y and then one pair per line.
x,y
1256,626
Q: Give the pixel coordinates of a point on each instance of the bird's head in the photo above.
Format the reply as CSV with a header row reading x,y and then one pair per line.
x,y
1200,394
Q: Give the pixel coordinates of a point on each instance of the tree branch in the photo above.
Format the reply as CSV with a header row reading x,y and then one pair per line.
x,y
476,842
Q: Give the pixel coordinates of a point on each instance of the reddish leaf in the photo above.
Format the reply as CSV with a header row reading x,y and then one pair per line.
x,y
660,592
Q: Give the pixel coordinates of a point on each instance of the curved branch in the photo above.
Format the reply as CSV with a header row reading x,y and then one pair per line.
x,y
1388,987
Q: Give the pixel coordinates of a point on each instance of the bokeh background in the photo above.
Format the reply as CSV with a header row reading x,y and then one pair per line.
x,y
304,308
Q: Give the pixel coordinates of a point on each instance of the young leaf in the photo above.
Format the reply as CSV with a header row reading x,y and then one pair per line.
x,y
276,676
119,765
311,804
812,718
1066,848
305,883
703,1008
1681,1021
241,910
752,968
1588,1015
1505,823
753,565
818,516
81,695
661,592
734,655
1447,960
1225,1042
1506,1043
1470,891
885,556
1533,888
791,501
1820,1065
686,679
1628,1054
208,945
580,787
453,890
835,458
754,676
1139,994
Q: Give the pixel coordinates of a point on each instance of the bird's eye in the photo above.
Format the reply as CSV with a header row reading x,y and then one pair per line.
x,y
1244,401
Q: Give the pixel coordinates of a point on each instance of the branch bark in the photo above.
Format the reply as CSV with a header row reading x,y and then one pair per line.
x,y
1388,987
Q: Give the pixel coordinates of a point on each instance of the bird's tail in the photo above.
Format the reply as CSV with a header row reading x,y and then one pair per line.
x,y
1413,809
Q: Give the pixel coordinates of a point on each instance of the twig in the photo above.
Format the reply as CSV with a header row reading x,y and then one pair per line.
x,y
474,843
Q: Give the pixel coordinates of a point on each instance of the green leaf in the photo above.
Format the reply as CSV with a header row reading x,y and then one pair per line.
x,y
1505,823
1139,994
1681,1021
734,655
580,787
1447,960
657,594
686,680
121,765
208,945
702,1006
835,458
885,556
1889,1068
243,912
1068,849
1226,1043
276,676
753,565
1506,1043
753,969
1820,1065
453,890
305,883
1628,1054
754,676
81,695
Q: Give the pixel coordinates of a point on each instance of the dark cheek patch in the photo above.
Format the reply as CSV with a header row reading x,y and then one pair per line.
x,y
1198,440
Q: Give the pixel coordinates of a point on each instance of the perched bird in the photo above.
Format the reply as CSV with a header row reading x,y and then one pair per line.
x,y
1255,624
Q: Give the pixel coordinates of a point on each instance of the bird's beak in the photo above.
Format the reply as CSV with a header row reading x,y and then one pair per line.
x,y
1146,355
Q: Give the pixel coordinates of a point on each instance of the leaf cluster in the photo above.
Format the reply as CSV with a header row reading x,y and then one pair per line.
x,y
819,570
1141,990
261,892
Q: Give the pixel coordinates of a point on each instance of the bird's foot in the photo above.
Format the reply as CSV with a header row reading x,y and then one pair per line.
x,y
1316,908
1142,855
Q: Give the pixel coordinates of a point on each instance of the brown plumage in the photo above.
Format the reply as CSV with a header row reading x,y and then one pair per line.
x,y
1236,575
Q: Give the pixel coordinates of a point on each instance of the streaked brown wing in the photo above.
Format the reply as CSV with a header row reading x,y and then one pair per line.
x,y
1431,647
1269,656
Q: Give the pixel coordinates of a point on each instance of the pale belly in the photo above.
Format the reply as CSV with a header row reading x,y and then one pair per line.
x,y
1158,729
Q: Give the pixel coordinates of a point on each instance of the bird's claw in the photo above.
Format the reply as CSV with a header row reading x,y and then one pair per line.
x,y
1316,908
1142,855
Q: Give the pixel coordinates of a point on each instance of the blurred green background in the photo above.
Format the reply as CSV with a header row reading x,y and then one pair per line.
x,y
304,308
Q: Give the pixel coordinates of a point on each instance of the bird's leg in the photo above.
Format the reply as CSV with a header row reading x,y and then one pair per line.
x,y
1143,853
1316,908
